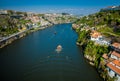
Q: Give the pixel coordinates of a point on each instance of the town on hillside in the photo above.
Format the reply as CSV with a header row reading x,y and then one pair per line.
x,y
15,24
99,36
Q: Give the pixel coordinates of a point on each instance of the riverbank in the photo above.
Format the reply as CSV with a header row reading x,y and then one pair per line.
x,y
8,40
12,38
22,23
96,36
93,53
34,58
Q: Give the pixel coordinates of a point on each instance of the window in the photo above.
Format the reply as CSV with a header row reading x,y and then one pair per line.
x,y
115,75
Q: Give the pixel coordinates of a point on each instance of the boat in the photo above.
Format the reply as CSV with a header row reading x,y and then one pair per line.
x,y
59,48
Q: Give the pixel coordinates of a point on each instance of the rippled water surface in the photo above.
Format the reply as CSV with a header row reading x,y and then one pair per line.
x,y
34,58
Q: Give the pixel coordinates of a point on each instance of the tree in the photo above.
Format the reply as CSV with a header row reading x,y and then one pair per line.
x,y
10,12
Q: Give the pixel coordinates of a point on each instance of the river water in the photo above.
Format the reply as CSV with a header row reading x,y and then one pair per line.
x,y
34,58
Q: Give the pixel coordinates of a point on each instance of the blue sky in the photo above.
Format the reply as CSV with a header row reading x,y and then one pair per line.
x,y
72,6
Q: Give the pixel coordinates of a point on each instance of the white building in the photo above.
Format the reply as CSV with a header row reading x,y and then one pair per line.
x,y
3,12
95,36
114,69
44,22
115,55
98,38
116,46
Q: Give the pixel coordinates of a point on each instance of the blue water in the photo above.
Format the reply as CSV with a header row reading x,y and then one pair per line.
x,y
33,58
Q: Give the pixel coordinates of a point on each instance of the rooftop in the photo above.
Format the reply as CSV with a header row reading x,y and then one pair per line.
x,y
115,66
116,62
105,56
116,45
116,54
95,34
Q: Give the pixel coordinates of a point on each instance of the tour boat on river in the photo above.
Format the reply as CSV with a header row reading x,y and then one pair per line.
x,y
59,48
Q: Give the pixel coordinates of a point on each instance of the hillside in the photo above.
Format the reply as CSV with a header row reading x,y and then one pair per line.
x,y
15,21
107,22
97,34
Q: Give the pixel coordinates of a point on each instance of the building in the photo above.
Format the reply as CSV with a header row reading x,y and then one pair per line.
x,y
113,68
75,26
115,55
116,46
95,36
98,38
105,57
3,12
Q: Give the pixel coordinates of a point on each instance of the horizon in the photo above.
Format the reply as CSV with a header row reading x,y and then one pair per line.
x,y
75,7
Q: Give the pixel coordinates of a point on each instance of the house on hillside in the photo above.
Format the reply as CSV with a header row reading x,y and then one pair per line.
x,y
3,12
98,38
75,26
116,46
95,36
105,58
112,62
113,68
115,55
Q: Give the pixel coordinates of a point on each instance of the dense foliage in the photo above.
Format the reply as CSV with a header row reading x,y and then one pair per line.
x,y
108,24
14,21
82,36
7,25
108,20
95,52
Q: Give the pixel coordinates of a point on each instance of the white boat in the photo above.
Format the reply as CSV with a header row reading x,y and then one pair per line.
x,y
59,48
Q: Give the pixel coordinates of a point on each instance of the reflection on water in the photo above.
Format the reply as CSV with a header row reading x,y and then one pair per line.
x,y
35,58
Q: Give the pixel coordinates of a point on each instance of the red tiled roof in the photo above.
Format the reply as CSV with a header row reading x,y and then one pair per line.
x,y
117,45
116,62
105,56
116,54
113,66
95,34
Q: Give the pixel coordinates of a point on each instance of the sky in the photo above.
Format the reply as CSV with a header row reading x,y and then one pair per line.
x,y
58,6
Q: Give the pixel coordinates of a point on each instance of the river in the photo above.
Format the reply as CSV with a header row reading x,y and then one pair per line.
x,y
34,57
